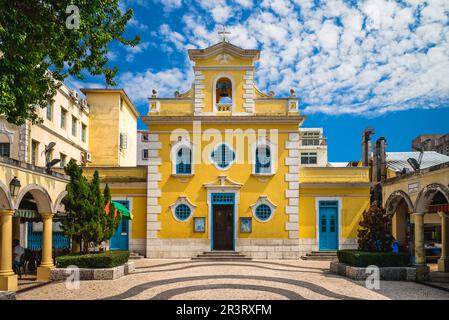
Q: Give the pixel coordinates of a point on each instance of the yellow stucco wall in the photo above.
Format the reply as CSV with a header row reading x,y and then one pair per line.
x,y
138,200
192,187
413,184
104,128
351,211
111,115
350,186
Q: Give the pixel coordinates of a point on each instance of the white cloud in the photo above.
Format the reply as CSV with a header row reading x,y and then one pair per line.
x,y
132,51
137,24
374,57
139,85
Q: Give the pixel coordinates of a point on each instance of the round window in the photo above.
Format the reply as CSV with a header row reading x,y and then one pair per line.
x,y
182,212
263,212
223,156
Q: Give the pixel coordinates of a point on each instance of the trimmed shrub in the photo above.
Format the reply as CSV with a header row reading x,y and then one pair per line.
x,y
363,259
109,259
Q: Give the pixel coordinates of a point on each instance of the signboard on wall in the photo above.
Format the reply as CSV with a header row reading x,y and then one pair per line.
x,y
39,227
413,187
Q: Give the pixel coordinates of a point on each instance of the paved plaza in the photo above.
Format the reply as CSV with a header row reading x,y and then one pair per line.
x,y
259,279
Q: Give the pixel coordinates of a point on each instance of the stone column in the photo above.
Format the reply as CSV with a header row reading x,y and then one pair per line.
x,y
443,262
16,228
8,280
420,253
44,270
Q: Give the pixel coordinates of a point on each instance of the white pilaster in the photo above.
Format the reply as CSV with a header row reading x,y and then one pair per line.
x,y
153,191
198,92
292,193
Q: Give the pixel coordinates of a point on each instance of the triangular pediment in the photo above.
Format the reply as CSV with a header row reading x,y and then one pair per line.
x,y
224,48
222,182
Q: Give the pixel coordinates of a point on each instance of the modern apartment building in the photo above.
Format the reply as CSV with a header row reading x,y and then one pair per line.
x,y
432,142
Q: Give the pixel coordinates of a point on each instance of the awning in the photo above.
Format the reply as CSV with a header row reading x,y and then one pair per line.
x,y
124,211
24,213
439,208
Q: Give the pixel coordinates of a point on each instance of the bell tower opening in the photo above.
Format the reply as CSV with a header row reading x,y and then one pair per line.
x,y
223,94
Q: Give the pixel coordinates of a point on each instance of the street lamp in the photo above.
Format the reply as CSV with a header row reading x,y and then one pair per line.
x,y
14,187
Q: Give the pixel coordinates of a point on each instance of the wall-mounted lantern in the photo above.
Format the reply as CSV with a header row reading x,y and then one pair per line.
x,y
14,187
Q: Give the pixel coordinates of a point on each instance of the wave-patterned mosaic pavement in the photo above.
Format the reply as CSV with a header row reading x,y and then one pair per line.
x,y
261,279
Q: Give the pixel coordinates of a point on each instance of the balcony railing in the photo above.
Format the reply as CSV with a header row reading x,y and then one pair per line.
x,y
224,107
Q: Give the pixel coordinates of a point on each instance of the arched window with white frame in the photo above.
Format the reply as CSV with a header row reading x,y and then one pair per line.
x,y
184,161
263,159
182,155
264,156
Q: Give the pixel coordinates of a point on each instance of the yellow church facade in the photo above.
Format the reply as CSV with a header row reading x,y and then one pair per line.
x,y
227,170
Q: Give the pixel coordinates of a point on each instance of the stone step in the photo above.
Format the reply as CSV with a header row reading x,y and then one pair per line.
x,y
135,255
221,251
323,252
221,258
221,255
319,258
232,256
321,255
442,277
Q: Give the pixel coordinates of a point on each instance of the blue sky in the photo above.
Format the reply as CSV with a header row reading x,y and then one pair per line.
x,y
352,63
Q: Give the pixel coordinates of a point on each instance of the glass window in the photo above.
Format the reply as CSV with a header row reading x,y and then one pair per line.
x,y
63,116
145,137
182,212
123,141
63,158
309,158
34,151
263,160
184,161
83,132
50,110
144,154
311,138
74,126
223,156
263,212
5,149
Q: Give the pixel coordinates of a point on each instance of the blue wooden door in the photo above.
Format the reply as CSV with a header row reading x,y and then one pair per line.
x,y
328,225
120,239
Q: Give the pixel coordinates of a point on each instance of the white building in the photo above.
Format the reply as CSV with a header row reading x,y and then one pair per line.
x,y
313,147
143,142
64,121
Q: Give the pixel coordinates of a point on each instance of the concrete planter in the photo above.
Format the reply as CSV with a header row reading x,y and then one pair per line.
x,y
61,274
7,295
386,273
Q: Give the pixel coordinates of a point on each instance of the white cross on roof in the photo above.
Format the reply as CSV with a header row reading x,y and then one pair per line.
x,y
223,34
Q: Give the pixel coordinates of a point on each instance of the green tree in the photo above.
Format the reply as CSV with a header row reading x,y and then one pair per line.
x,y
111,220
84,203
34,37
374,233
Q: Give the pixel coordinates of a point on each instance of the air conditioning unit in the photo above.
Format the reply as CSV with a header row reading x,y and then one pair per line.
x,y
74,94
86,156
